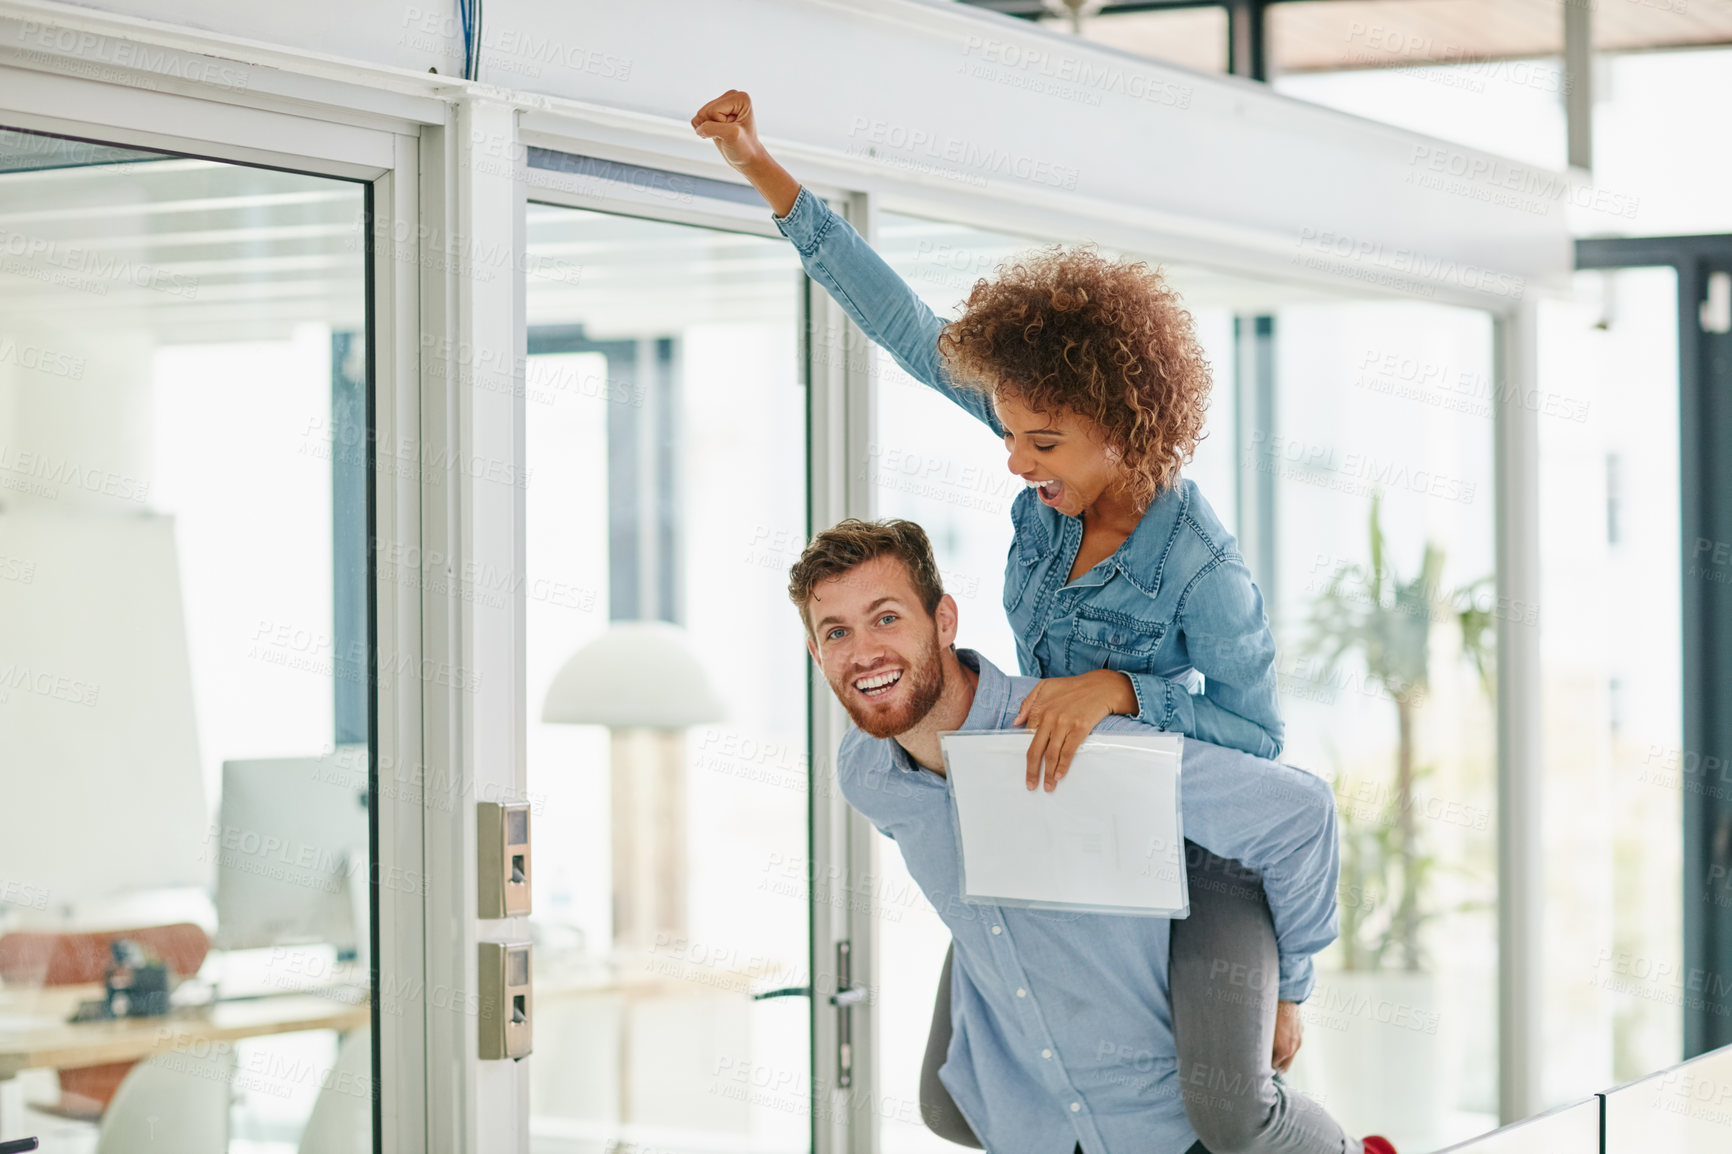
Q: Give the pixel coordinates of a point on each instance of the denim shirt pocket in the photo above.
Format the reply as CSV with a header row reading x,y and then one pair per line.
x,y
1110,639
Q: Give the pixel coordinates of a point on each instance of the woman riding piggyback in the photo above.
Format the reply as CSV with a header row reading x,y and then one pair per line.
x,y
1124,590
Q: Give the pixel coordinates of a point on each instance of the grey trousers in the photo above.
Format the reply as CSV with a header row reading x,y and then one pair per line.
x,y
1223,978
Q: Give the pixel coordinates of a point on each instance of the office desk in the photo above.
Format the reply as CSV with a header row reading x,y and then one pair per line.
x,y
34,1033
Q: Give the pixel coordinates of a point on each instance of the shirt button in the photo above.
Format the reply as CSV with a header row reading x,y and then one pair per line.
x,y
998,929
1021,993
1046,1053
1075,1106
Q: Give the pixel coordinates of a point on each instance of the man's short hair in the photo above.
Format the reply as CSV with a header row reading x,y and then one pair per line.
x,y
852,542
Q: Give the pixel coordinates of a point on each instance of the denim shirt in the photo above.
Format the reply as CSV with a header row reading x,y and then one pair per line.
x,y
1173,606
1061,1020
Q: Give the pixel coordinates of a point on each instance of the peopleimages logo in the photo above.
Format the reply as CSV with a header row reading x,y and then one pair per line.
x,y
1361,258
98,267
510,49
1499,181
970,158
94,51
42,360
1083,74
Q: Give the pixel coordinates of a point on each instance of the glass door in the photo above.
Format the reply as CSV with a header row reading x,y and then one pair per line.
x,y
664,489
185,843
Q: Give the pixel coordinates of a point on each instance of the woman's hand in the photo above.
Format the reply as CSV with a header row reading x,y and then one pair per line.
x,y
1064,710
728,121
1289,1033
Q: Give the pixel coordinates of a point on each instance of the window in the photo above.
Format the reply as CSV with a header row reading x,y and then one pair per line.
x,y
184,458
1613,691
1388,400
1386,607
1195,37
666,671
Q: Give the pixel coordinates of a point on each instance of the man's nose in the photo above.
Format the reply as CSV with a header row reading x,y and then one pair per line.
x,y
868,652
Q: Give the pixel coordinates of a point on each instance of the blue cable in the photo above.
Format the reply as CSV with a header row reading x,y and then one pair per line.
x,y
468,52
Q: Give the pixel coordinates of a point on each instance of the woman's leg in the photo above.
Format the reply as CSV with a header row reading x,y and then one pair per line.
x,y
941,1115
1223,981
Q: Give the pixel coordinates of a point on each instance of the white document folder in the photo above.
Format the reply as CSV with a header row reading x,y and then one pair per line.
x,y
1108,839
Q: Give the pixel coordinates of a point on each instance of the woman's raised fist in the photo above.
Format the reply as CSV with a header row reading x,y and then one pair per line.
x,y
728,121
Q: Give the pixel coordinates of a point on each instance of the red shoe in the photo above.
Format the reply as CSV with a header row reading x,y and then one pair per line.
x,y
1377,1144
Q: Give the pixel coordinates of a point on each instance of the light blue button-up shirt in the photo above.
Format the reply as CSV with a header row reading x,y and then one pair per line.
x,y
1062,1031
1175,605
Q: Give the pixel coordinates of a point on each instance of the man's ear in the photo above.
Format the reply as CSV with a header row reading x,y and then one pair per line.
x,y
947,622
812,648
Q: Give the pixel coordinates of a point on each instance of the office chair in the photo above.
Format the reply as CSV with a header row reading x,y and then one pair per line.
x,y
176,1101
72,958
342,1117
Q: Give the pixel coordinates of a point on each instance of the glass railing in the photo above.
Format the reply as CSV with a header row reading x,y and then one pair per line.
x,y
1682,1110
1572,1129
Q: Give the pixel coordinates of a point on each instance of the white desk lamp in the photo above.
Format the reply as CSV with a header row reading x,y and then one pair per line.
x,y
643,680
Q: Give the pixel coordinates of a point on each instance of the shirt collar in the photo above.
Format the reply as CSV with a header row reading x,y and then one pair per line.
x,y
991,692
1149,539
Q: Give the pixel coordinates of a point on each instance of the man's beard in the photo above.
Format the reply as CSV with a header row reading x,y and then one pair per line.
x,y
925,684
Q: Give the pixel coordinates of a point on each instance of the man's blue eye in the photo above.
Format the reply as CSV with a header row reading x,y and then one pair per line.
x,y
832,634
887,617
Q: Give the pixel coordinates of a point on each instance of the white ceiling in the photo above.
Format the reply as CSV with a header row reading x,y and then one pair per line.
x,y
191,250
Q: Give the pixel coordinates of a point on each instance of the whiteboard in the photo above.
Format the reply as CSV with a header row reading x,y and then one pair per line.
x,y
101,789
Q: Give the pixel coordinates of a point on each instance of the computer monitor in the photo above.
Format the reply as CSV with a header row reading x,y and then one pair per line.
x,y
291,851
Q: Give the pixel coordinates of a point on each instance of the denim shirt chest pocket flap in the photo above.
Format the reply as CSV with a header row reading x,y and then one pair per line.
x,y
1103,638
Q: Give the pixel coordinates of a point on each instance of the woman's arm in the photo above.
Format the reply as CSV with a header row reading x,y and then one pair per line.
x,y
1227,640
838,257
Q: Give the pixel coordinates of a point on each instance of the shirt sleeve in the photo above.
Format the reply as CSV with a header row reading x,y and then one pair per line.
x,y
1280,822
1227,640
879,301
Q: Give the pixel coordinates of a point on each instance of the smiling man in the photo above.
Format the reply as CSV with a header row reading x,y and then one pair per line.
x,y
1062,1030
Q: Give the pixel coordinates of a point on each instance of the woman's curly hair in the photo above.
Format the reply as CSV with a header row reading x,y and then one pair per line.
x,y
1068,329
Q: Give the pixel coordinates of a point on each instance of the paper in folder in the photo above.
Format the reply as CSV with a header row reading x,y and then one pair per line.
x,y
1108,840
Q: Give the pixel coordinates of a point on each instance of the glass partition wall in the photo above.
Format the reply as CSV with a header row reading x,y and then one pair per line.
x,y
665,501
185,647
1373,473
184,653
1386,621
664,474
1617,982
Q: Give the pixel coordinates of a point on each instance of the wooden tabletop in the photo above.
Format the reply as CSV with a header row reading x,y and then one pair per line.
x,y
35,1035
